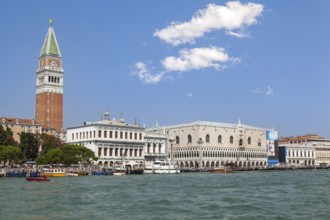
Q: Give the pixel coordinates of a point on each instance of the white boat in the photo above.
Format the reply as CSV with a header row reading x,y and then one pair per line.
x,y
118,169
161,167
127,167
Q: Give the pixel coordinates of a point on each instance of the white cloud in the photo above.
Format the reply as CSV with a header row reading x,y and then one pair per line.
x,y
234,17
146,75
190,95
197,58
188,59
269,91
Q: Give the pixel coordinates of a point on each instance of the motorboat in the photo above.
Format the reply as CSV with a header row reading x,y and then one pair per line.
x,y
37,179
161,167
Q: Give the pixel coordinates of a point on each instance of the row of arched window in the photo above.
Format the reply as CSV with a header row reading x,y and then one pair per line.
x,y
207,140
154,148
54,79
219,154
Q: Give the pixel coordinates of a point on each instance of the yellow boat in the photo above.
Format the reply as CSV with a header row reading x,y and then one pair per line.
x,y
53,172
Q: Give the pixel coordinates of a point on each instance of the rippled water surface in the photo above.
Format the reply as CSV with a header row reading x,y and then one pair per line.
x,y
244,195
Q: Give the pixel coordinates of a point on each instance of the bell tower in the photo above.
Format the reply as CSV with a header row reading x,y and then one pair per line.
x,y
49,85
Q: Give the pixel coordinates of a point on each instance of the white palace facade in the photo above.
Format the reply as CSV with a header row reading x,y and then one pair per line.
x,y
205,144
113,141
194,145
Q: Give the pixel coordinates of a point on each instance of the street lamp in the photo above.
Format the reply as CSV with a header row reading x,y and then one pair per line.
x,y
200,142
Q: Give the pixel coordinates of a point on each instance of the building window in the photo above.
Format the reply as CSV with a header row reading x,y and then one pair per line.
x,y
240,142
110,134
189,139
130,135
159,148
116,151
177,140
116,134
135,152
154,149
249,140
100,133
121,135
259,143
135,136
207,138
140,152
148,148
72,136
219,139
94,134
105,151
231,139
105,135
126,135
110,152
100,151
140,136
131,152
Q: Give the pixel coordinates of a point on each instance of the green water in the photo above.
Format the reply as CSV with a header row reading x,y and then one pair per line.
x,y
245,195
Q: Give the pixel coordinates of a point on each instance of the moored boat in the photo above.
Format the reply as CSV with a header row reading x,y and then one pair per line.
x,y
127,167
133,167
162,167
118,169
53,172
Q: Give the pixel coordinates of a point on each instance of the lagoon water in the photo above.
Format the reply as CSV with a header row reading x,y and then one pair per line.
x,y
242,195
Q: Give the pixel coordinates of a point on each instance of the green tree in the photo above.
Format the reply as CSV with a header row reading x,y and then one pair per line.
x,y
11,154
87,156
41,160
49,142
74,154
71,153
29,145
54,156
6,137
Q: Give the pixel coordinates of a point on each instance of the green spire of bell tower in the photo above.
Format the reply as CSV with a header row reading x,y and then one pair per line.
x,y
50,46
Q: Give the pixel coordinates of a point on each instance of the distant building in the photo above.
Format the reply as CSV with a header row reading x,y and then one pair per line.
x,y
155,145
18,125
49,86
111,140
204,144
309,149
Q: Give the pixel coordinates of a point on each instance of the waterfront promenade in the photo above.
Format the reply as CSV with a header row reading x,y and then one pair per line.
x,y
99,171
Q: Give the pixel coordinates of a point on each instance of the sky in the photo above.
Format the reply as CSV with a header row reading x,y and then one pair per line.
x,y
266,63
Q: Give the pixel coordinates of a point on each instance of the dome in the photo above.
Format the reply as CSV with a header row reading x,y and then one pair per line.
x,y
107,116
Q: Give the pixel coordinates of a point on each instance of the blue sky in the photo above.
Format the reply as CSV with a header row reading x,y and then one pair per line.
x,y
264,62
